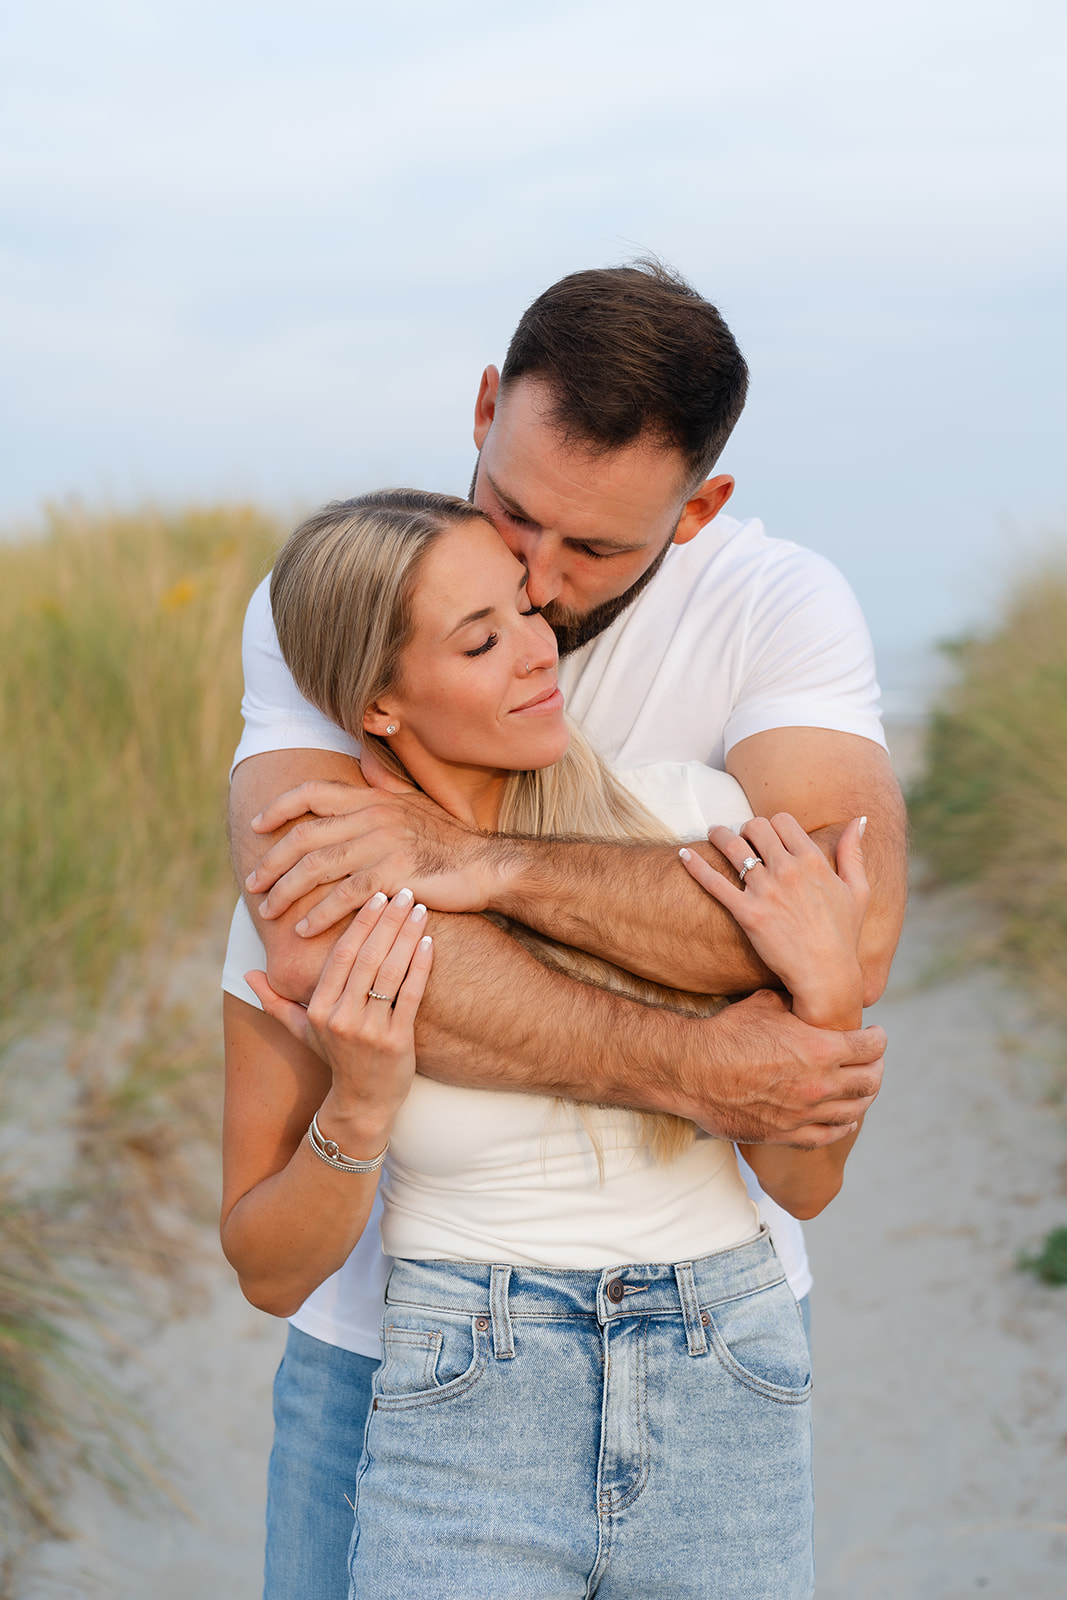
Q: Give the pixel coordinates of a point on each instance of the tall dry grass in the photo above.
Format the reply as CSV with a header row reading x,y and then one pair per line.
x,y
120,685
991,806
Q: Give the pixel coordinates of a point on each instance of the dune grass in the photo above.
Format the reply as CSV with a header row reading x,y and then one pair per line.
x,y
120,687
991,806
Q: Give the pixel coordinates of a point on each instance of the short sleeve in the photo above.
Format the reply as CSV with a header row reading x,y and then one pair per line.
x,y
276,715
807,658
244,953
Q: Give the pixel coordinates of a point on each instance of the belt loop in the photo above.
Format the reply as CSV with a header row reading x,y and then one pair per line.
x,y
503,1342
696,1338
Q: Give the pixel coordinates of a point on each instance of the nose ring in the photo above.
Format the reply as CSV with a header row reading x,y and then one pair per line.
x,y
526,664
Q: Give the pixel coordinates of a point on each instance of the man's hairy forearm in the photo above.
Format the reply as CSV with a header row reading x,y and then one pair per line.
x,y
636,906
633,904
494,1018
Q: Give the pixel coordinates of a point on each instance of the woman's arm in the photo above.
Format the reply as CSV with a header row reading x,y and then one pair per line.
x,y
289,1219
805,921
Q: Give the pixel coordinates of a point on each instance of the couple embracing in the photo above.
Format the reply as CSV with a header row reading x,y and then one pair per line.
x,y
581,1367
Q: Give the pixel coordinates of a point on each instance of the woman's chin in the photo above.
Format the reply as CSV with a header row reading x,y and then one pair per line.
x,y
549,751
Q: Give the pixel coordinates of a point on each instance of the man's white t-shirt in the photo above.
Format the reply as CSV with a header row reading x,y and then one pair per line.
x,y
736,634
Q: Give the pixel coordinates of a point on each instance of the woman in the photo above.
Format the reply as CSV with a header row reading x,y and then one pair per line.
x,y
547,1421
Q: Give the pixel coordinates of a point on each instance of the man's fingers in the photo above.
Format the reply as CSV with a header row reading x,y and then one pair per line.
x,y
818,1136
863,1046
315,872
338,904
321,799
318,850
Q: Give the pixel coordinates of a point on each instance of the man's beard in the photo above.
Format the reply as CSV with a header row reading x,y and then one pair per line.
x,y
573,629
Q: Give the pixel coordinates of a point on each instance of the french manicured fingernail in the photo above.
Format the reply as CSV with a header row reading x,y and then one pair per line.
x,y
264,908
376,901
250,881
257,819
405,897
425,942
686,855
863,826
302,926
418,914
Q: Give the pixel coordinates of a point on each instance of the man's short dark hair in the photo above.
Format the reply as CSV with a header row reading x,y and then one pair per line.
x,y
633,352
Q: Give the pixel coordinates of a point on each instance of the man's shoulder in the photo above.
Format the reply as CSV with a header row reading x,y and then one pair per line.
x,y
733,569
742,545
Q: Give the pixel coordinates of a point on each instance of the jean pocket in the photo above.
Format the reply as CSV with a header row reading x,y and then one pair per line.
x,y
424,1362
760,1339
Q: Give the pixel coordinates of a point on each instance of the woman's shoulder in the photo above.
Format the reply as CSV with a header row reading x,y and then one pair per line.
x,y
688,797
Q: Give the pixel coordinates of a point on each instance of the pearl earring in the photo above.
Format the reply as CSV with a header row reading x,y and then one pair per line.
x,y
391,728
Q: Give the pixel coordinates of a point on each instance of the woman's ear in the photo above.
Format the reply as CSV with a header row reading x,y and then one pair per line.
x,y
380,722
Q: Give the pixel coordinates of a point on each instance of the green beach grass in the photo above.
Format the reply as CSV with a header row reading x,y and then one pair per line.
x,y
991,806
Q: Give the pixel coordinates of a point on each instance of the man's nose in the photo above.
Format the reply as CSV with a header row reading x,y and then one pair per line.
x,y
544,577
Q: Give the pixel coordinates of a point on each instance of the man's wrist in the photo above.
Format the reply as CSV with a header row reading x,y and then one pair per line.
x,y
504,873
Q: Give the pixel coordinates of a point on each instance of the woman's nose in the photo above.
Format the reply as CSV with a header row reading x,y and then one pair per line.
x,y
540,650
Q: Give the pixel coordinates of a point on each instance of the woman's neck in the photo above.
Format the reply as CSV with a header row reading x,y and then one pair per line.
x,y
472,795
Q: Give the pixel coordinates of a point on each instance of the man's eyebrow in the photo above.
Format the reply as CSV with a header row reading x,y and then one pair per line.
x,y
505,499
621,546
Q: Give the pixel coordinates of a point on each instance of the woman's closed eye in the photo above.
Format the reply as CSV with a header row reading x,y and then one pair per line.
x,y
484,648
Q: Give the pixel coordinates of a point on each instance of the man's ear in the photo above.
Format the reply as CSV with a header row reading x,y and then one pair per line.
x,y
485,405
701,507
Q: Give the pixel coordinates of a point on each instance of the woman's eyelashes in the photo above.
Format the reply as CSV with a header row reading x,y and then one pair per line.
x,y
483,648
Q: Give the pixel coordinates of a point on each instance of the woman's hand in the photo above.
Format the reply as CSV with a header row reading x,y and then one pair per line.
x,y
361,1019
802,917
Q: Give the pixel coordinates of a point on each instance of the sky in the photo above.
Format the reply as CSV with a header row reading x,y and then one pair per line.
x,y
261,249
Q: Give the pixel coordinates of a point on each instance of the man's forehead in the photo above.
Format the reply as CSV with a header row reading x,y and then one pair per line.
x,y
527,459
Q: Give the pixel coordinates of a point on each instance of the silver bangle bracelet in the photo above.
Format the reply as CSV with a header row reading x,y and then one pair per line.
x,y
327,1151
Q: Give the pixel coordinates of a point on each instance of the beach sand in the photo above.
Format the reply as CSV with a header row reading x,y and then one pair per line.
x,y
940,1369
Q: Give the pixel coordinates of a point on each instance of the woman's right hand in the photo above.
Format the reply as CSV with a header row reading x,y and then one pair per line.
x,y
367,1041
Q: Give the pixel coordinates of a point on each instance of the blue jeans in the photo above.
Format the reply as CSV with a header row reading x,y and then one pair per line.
x,y
642,1431
321,1398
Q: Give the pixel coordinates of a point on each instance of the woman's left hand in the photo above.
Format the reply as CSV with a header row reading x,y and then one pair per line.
x,y
802,918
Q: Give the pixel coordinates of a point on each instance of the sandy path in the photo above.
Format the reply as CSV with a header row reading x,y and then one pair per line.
x,y
941,1370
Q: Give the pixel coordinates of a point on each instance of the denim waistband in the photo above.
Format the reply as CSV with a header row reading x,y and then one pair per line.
x,y
502,1292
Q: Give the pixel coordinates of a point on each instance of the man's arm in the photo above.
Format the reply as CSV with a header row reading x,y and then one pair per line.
x,y
628,903
493,1017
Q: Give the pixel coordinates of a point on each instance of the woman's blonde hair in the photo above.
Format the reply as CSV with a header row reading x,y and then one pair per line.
x,y
341,593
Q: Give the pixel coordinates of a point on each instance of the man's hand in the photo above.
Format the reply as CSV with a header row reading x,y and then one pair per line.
x,y
772,1079
364,841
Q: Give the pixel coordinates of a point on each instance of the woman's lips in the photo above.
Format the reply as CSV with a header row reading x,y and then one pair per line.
x,y
547,701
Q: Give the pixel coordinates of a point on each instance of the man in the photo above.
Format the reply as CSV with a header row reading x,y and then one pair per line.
x,y
596,443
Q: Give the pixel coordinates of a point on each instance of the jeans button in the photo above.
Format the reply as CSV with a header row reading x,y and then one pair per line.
x,y
615,1290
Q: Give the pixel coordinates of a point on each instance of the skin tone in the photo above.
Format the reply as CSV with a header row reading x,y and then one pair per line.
x,y
492,1017
476,698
